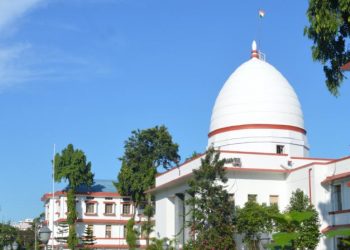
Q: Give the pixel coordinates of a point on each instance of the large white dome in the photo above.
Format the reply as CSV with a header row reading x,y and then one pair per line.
x,y
256,97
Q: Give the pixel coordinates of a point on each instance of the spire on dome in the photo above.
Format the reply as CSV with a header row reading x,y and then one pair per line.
x,y
255,52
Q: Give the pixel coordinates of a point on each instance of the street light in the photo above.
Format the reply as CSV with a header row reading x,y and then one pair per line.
x,y
44,234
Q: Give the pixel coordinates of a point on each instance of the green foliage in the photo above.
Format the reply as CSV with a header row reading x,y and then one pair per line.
x,y
254,219
88,239
212,211
299,225
147,226
329,29
72,165
145,151
131,234
341,232
193,155
72,239
8,234
157,244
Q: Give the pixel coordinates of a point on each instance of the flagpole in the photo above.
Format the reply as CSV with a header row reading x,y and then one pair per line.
x,y
53,197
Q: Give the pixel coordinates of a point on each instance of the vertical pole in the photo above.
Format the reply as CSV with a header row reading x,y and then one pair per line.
x,y
53,196
35,230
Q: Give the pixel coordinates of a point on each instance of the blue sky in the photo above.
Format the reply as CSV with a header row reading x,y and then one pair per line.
x,y
88,72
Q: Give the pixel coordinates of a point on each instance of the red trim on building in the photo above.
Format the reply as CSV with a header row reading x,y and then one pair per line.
x,y
336,177
109,202
113,214
186,162
90,214
93,194
345,67
312,158
90,202
269,170
105,246
331,228
340,212
257,126
221,151
250,153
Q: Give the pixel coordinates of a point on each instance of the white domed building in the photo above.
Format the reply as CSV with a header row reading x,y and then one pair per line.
x,y
257,120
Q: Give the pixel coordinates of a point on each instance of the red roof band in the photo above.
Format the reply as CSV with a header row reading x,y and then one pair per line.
x,y
257,126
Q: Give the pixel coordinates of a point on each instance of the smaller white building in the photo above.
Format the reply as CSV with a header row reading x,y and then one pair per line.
x,y
24,224
99,207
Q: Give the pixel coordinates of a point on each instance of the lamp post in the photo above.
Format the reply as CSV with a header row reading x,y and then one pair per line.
x,y
44,235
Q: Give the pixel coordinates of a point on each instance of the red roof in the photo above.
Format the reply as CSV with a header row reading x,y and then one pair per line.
x,y
336,177
346,67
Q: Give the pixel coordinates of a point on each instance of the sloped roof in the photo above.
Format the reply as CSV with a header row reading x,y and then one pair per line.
x,y
98,186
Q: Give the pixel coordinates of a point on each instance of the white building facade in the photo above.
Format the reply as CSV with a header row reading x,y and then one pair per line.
x,y
257,120
99,207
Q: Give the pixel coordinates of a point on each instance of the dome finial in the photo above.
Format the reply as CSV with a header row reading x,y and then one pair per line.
x,y
255,53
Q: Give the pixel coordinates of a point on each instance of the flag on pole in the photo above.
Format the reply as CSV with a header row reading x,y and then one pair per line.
x,y
261,13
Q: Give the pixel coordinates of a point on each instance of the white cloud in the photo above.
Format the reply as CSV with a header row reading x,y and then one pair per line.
x,y
10,10
11,71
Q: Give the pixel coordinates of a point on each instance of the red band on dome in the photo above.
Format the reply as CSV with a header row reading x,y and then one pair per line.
x,y
257,126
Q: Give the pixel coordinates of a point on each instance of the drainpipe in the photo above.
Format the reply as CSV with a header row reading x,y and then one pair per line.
x,y
310,191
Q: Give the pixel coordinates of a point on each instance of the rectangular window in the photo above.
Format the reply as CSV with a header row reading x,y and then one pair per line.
x,y
279,149
109,208
90,208
337,197
108,231
252,197
126,209
274,200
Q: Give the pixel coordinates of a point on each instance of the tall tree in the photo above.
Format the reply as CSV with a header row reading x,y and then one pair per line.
x,y
329,29
71,165
147,226
144,152
299,225
252,220
309,229
212,210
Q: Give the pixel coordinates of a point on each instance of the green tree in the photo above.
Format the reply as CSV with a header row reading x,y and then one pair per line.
x,y
131,234
309,229
329,29
144,152
8,234
72,166
299,224
88,239
147,226
344,234
212,211
253,220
